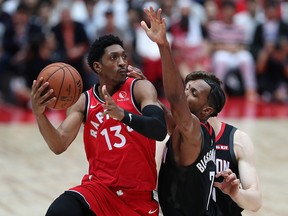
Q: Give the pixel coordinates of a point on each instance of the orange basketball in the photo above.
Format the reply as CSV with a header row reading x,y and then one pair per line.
x,y
66,82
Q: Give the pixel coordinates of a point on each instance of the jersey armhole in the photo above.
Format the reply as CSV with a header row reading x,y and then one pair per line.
x,y
203,139
87,102
136,104
231,147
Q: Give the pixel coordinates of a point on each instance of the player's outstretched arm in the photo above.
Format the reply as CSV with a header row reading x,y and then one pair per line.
x,y
172,81
59,139
187,123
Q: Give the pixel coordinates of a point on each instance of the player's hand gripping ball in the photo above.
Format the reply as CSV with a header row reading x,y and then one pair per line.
x,y
66,82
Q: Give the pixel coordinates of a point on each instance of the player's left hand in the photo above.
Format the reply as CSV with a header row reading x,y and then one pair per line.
x,y
110,107
230,185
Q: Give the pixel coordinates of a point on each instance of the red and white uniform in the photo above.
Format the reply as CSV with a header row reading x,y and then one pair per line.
x,y
122,167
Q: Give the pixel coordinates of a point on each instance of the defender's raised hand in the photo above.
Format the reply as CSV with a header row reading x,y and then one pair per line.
x,y
157,30
135,73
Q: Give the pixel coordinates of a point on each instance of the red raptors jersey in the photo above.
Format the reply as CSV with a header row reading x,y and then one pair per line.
x,y
118,156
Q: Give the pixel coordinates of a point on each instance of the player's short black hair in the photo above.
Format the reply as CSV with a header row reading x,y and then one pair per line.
x,y
216,98
98,47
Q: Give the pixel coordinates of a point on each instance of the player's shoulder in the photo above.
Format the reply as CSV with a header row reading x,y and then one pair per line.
x,y
243,140
142,82
241,135
144,87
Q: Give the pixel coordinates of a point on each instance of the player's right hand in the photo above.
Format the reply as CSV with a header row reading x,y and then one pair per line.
x,y
41,96
110,107
230,184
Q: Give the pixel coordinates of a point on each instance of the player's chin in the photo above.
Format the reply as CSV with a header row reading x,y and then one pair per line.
x,y
122,77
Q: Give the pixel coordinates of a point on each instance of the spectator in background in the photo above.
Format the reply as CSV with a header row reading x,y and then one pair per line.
x,y
120,9
78,11
272,68
134,14
269,48
39,55
211,10
5,24
270,31
72,43
284,10
189,40
110,27
169,11
90,27
17,38
6,32
229,52
42,16
249,19
149,53
10,6
197,9
89,22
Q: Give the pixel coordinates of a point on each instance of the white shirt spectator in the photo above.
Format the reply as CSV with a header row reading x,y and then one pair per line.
x,y
120,10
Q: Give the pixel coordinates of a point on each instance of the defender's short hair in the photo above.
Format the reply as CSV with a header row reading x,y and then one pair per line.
x,y
216,98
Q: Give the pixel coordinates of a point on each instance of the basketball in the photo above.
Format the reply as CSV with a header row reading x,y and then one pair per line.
x,y
66,82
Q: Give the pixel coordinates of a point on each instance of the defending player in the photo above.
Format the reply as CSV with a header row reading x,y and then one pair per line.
x,y
188,168
235,162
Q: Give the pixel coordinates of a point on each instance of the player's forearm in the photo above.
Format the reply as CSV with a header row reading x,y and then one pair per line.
x,y
249,199
50,134
172,82
151,124
174,89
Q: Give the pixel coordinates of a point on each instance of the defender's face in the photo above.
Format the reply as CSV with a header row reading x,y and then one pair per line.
x,y
197,92
114,64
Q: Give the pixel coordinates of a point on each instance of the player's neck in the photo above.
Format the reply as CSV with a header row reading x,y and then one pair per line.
x,y
216,124
99,92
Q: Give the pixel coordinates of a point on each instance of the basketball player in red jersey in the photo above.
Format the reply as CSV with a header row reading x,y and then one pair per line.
x,y
122,119
235,161
188,167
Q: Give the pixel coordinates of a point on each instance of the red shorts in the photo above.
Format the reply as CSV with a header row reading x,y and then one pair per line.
x,y
105,201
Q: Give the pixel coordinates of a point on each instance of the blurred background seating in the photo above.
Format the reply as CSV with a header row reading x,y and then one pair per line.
x,y
243,42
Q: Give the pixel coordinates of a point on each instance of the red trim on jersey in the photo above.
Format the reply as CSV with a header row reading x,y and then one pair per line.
x,y
223,125
208,127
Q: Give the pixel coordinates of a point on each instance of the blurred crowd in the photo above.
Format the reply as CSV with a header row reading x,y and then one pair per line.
x,y
244,42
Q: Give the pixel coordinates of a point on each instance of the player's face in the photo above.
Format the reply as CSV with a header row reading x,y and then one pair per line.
x,y
114,64
197,92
